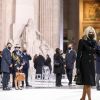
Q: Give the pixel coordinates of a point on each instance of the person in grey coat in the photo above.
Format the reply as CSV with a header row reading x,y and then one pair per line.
x,y
6,63
98,65
69,60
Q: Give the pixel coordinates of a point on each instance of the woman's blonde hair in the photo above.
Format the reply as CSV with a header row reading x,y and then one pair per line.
x,y
88,30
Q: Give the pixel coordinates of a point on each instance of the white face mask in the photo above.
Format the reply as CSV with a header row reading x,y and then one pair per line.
x,y
24,53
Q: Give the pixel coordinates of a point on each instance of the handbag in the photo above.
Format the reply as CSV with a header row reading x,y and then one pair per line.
x,y
78,78
20,76
56,63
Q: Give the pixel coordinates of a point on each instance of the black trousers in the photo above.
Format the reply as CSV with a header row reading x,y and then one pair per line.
x,y
58,79
69,75
25,71
5,79
14,75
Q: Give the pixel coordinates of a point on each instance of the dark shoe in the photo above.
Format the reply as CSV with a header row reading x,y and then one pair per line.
x,y
98,88
58,85
69,83
7,88
28,85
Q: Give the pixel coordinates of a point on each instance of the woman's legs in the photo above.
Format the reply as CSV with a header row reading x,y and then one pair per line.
x,y
84,93
16,83
88,91
19,82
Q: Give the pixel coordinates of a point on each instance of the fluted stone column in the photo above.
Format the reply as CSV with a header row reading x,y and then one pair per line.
x,y
50,19
36,15
1,35
5,21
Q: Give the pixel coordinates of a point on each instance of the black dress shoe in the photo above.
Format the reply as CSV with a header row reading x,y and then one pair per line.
x,y
58,85
7,88
69,83
28,85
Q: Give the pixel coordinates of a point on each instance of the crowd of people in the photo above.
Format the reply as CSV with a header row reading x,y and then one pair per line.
x,y
86,60
18,61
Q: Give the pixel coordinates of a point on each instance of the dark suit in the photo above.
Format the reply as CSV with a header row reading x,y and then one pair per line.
x,y
70,59
5,65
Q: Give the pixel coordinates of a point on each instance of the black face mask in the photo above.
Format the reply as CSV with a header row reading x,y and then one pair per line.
x,y
69,48
9,48
91,36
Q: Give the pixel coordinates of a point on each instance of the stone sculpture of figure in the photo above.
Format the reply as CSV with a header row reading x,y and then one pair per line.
x,y
32,40
29,37
44,48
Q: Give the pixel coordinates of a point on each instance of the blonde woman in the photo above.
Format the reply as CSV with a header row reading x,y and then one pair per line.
x,y
85,61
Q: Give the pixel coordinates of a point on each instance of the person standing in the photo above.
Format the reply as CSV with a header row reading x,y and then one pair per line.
x,y
58,67
85,61
35,60
40,62
69,61
17,65
98,65
6,63
48,62
26,57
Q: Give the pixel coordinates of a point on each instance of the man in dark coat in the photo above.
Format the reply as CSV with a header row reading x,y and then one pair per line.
x,y
26,57
6,63
69,60
58,67
98,65
40,62
48,63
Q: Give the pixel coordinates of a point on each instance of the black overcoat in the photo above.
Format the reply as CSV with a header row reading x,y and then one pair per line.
x,y
6,60
85,61
60,67
39,63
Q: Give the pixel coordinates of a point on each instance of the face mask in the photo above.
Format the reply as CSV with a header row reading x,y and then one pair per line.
x,y
91,36
24,53
9,48
69,48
